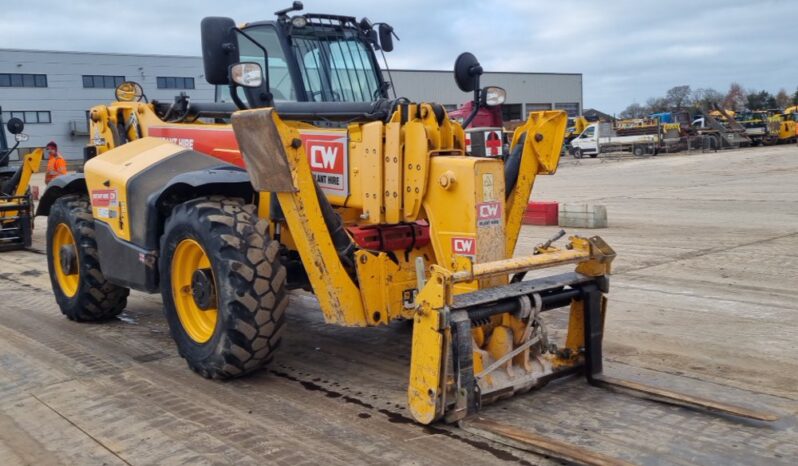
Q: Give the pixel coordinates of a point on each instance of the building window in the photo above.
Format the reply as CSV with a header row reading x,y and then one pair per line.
x,y
171,82
23,80
511,112
571,108
29,116
537,107
96,81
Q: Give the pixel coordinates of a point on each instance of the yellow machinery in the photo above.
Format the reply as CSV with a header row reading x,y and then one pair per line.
x,y
575,127
370,202
16,201
722,114
788,124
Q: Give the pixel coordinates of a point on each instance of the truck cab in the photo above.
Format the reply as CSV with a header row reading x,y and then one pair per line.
x,y
638,137
587,143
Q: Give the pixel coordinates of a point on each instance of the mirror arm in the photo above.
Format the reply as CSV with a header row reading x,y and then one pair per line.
x,y
265,91
7,155
234,95
475,106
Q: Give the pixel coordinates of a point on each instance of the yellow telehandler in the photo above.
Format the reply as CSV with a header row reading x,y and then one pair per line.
x,y
314,178
16,199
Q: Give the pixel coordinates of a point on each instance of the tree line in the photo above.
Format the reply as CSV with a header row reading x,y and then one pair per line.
x,y
737,99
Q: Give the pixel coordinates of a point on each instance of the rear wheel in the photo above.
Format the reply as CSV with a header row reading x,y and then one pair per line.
x,y
223,287
80,289
639,151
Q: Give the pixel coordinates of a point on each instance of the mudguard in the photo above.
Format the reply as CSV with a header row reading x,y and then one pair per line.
x,y
141,255
223,179
74,183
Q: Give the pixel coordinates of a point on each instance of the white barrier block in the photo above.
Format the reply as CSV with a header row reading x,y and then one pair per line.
x,y
583,215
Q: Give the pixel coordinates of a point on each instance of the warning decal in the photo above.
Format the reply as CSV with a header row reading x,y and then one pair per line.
x,y
104,198
493,143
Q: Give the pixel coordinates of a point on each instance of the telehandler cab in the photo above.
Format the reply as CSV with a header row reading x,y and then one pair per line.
x,y
316,179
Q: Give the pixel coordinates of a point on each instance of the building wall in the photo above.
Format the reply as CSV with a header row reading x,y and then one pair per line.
x,y
67,100
532,91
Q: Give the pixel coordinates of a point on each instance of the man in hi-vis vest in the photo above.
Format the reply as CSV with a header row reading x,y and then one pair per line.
x,y
56,165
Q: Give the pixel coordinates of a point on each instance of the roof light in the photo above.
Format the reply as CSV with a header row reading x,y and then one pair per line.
x,y
299,21
494,95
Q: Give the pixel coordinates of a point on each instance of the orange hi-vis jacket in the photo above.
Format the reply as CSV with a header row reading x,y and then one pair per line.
x,y
56,166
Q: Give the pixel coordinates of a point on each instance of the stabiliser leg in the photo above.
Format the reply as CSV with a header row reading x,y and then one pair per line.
x,y
591,304
467,397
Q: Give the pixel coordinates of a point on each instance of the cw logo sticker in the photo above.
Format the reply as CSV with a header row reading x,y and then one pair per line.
x,y
323,157
464,246
489,213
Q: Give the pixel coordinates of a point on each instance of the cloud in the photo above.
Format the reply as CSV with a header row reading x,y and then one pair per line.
x,y
627,50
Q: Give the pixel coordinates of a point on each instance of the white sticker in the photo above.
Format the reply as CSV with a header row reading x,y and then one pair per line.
x,y
487,188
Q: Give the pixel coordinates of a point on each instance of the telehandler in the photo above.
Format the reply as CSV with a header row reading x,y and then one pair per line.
x,y
316,179
16,200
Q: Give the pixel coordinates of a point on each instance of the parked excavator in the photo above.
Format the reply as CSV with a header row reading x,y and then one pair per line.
x,y
316,179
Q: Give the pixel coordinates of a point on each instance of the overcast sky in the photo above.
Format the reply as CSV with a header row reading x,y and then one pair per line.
x,y
627,50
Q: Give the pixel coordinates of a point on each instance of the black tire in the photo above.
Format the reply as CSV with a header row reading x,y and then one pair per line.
x,y
249,284
577,153
639,151
96,299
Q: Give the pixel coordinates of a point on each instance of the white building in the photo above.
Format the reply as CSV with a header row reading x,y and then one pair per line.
x,y
53,91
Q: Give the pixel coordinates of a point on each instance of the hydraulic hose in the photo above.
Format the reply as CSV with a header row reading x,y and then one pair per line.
x,y
512,166
341,240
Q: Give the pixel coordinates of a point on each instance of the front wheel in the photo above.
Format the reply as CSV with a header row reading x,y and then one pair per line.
x,y
223,287
80,289
578,153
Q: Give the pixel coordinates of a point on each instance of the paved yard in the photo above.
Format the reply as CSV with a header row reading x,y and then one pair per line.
x,y
703,299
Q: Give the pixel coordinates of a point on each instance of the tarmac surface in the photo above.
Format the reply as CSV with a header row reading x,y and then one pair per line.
x,y
703,299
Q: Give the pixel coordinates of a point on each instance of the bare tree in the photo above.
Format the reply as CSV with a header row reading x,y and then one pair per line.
x,y
736,98
657,104
678,96
706,97
634,110
782,99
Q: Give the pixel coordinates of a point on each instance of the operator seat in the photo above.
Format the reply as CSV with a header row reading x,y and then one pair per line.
x,y
9,186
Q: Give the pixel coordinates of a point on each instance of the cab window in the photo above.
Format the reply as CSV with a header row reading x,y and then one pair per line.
x,y
336,69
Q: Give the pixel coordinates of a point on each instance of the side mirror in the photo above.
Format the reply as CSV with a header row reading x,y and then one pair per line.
x,y
15,126
467,71
386,37
247,74
493,96
219,48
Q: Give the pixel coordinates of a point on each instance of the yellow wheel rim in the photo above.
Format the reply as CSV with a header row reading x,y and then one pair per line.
x,y
68,280
199,324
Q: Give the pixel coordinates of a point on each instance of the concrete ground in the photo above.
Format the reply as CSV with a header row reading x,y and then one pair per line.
x,y
703,299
